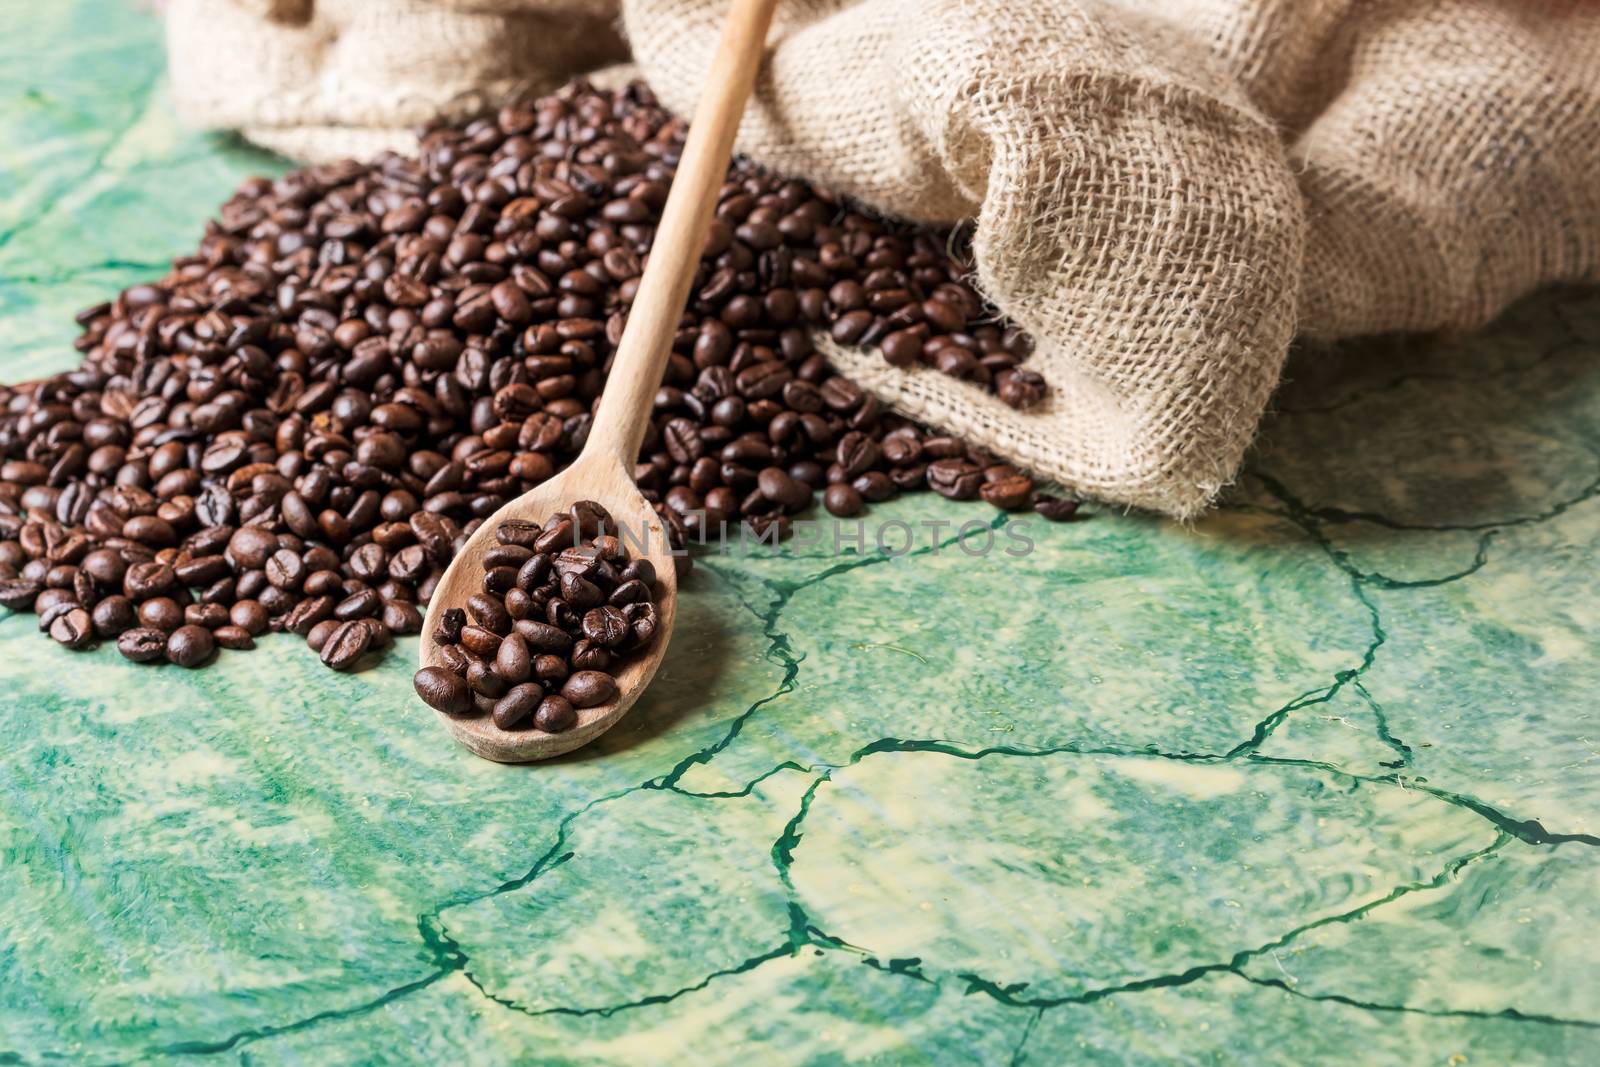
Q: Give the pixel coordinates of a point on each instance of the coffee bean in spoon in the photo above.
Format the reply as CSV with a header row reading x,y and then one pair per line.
x,y
539,672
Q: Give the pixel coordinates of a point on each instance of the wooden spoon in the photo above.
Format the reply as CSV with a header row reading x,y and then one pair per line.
x,y
603,470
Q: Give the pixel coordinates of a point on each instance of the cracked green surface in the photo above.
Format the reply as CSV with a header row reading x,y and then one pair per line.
x,y
1312,781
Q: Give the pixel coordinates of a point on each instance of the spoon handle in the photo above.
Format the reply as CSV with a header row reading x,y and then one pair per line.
x,y
641,357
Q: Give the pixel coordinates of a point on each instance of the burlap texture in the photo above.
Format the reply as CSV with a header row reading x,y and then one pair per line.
x,y
326,79
1163,192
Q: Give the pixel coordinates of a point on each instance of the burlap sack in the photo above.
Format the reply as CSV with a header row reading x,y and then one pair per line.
x,y
1164,192
327,79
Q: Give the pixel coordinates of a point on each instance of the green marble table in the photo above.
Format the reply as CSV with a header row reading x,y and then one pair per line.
x,y
1316,780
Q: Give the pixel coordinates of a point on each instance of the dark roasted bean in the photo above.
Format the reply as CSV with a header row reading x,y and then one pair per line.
x,y
442,690
234,637
190,646
1007,493
555,715
112,615
73,628
512,661
249,615
841,499
587,689
517,706
1054,508
142,645
161,613
346,645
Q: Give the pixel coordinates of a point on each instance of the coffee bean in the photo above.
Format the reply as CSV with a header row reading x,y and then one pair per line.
x,y
442,690
1007,493
112,615
1054,508
605,626
190,646
555,715
306,614
512,661
209,616
249,615
483,680
346,645
842,500
542,637
480,642
161,613
249,547
318,635
489,613
518,705
18,593
587,689
142,645
451,620
73,628
777,486
234,637
954,478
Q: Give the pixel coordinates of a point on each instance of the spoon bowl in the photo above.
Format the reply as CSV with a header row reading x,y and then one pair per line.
x,y
601,479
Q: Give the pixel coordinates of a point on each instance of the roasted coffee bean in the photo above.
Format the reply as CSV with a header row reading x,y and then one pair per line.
x,y
590,655
73,628
358,605
484,681
954,478
480,642
517,707
555,715
489,613
1054,508
319,633
451,620
249,616
1007,493
285,569
400,617
587,689
112,615
442,690
306,614
512,661
142,645
550,670
161,613
346,645
18,593
190,646
842,500
234,637
605,626
210,616
777,486
148,579
542,637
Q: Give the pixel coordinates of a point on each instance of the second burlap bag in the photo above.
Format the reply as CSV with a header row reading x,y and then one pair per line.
x,y
1164,192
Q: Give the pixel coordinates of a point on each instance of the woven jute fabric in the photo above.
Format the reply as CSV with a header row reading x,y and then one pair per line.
x,y
1163,193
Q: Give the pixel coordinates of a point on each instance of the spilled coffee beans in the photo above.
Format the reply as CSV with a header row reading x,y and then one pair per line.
x,y
297,427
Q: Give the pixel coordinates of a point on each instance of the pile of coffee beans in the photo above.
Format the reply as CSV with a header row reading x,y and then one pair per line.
x,y
297,427
559,608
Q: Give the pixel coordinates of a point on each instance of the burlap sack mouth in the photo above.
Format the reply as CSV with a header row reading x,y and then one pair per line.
x,y
1162,194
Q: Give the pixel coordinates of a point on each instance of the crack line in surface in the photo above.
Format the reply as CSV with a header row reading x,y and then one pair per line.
x,y
1508,1014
